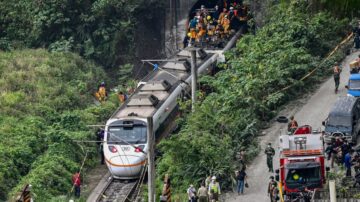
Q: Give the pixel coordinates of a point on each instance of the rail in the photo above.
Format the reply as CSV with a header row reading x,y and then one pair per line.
x,y
110,189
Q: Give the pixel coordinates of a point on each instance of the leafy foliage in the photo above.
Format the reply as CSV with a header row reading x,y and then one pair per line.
x,y
102,30
289,46
45,99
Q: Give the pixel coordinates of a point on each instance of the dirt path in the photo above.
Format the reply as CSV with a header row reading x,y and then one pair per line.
x,y
92,178
311,110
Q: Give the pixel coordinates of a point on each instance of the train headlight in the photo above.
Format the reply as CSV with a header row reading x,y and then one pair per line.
x,y
113,149
139,148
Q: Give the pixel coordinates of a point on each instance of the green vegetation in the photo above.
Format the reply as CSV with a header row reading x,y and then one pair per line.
x,y
46,102
348,8
46,94
290,45
102,30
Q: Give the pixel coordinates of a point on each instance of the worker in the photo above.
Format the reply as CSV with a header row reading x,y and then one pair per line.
x,y
240,180
270,152
348,162
122,97
271,186
216,13
337,71
214,189
191,192
203,11
207,182
201,33
293,125
222,15
357,41
100,138
356,32
358,63
186,40
101,94
202,193
76,180
226,25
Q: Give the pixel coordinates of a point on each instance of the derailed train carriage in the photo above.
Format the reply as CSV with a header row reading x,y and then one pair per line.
x,y
156,96
125,137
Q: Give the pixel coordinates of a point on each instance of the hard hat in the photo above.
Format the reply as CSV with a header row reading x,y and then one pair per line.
x,y
208,17
189,34
202,6
231,8
296,176
191,185
213,178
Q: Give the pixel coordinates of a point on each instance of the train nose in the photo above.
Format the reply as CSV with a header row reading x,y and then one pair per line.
x,y
126,166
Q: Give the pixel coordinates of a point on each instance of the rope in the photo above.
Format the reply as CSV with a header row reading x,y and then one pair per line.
x,y
310,73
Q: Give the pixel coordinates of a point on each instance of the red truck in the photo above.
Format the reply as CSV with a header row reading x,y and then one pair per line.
x,y
302,163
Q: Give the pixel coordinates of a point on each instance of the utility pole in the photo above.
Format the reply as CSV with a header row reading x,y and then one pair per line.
x,y
151,159
193,77
332,190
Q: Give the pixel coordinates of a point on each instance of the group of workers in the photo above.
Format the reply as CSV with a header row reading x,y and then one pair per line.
x,y
102,94
209,191
212,25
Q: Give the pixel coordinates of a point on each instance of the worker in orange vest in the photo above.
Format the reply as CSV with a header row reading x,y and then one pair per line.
x,y
337,71
293,125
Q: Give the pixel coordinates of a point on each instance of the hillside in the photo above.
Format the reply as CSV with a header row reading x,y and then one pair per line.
x,y
46,101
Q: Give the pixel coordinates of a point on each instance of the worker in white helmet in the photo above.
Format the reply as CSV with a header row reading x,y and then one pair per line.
x,y
214,190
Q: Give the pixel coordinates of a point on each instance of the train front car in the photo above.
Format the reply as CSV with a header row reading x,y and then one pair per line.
x,y
125,146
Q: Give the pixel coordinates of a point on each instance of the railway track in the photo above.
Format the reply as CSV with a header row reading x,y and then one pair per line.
x,y
118,190
115,190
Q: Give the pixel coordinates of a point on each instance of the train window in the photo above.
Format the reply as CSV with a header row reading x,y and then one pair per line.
x,y
127,135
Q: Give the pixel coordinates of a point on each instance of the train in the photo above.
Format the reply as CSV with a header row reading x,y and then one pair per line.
x,y
125,138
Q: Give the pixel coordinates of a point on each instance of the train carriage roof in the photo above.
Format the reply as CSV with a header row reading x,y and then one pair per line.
x,y
160,83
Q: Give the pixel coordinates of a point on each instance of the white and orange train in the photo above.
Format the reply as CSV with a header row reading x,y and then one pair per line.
x,y
156,97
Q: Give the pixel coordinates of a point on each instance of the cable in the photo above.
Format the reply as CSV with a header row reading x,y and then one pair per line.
x,y
311,72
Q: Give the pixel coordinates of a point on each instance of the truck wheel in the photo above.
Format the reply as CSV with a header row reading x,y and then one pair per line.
x,y
282,119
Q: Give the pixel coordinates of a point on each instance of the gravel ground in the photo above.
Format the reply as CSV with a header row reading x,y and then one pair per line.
x,y
311,110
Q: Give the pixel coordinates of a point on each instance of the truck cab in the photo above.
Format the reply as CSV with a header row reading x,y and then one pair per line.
x,y
353,85
343,120
302,162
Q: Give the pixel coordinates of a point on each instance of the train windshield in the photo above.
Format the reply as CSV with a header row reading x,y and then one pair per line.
x,y
127,135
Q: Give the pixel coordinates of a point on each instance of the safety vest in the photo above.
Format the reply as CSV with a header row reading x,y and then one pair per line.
x,y
215,187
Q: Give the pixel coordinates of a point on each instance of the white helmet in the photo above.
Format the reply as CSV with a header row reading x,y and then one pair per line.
x,y
213,178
